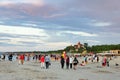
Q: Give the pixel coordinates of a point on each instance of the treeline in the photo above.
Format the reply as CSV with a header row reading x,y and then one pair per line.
x,y
101,48
94,48
87,48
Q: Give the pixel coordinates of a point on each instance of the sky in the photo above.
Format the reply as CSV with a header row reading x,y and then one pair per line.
x,y
43,25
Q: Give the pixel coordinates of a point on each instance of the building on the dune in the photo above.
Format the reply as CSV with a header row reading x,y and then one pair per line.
x,y
78,46
115,51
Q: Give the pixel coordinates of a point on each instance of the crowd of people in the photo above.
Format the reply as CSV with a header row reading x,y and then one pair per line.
x,y
66,61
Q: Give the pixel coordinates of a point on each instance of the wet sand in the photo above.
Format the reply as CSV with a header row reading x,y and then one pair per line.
x,y
31,71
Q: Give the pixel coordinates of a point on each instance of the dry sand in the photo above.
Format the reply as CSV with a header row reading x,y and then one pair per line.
x,y
31,71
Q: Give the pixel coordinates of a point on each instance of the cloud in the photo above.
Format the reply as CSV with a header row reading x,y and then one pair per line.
x,y
19,35
5,2
80,33
1,22
29,11
92,41
29,24
22,41
29,8
30,44
57,45
100,24
11,2
55,15
101,10
4,40
41,47
20,30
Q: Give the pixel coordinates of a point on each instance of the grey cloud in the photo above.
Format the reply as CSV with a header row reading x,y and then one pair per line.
x,y
25,43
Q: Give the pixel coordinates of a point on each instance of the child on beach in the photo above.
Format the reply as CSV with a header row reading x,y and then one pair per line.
x,y
83,63
42,61
107,61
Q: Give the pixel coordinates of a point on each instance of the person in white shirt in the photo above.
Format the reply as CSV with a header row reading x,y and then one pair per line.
x,y
71,61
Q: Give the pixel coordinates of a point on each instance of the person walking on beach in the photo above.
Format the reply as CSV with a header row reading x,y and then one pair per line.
x,y
28,57
107,61
75,62
36,57
67,62
42,61
18,58
22,58
47,61
97,58
71,62
62,61
104,60
10,57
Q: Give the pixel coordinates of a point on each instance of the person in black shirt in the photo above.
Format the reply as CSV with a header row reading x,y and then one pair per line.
x,y
75,62
62,61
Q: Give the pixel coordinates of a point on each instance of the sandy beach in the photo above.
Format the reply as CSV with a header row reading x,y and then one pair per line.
x,y
31,71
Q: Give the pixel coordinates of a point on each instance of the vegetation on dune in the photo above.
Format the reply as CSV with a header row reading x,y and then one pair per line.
x,y
86,48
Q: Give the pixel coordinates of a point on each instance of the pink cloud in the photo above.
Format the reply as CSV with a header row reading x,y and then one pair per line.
x,y
34,2
16,11
4,3
12,2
